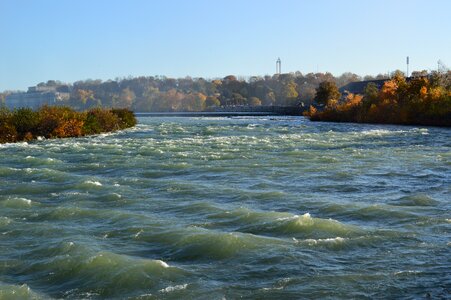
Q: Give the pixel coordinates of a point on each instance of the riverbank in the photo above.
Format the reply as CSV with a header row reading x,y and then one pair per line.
x,y
25,124
416,101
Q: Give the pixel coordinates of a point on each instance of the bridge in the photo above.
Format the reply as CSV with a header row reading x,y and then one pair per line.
x,y
232,111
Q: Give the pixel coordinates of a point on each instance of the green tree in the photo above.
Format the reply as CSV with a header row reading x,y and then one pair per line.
x,y
326,92
25,120
371,93
289,93
212,101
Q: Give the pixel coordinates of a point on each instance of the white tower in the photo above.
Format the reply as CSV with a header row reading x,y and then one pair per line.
x,y
278,66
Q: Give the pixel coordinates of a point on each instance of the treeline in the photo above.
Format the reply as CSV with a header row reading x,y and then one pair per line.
x,y
147,94
420,100
25,124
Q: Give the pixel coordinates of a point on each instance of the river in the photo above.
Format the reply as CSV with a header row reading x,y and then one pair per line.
x,y
229,207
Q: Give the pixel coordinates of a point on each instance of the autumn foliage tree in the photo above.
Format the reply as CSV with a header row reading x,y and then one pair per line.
x,y
60,122
424,100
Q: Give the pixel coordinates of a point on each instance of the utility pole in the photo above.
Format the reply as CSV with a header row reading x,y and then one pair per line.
x,y
407,74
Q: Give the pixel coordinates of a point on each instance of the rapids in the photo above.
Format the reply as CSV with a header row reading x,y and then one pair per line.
x,y
226,208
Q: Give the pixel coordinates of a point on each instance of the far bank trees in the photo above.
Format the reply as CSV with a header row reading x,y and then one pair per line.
x,y
159,93
422,100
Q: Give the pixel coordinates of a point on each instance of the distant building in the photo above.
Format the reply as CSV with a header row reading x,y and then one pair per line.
x,y
358,87
38,96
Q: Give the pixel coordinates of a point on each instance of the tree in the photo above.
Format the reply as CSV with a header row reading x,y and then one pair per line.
x,y
371,93
126,98
326,92
289,93
254,101
2,99
238,99
212,101
270,98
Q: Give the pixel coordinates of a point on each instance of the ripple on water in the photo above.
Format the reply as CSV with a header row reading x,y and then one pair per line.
x,y
69,264
249,207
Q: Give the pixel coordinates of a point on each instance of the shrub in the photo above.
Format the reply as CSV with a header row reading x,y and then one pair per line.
x,y
98,121
8,133
126,116
57,121
26,121
25,124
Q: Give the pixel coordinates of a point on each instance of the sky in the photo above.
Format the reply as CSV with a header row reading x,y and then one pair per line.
x,y
106,39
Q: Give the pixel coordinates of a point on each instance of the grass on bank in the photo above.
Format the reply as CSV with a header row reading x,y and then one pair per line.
x,y
25,124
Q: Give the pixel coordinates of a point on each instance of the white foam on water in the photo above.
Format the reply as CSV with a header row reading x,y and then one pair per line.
x,y
337,240
305,216
305,219
25,200
377,132
144,296
406,272
381,132
162,263
5,221
174,288
29,170
139,233
96,183
424,131
17,202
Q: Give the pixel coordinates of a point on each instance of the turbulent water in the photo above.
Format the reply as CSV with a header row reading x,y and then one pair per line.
x,y
226,208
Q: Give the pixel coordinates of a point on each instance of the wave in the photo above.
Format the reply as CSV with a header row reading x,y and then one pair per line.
x,y
4,221
79,270
196,243
17,202
17,292
174,288
92,183
287,224
415,200
384,132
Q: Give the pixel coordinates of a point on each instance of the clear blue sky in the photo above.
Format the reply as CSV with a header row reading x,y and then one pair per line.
x,y
105,39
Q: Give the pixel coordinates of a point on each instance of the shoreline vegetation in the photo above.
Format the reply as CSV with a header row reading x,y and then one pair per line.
x,y
25,124
424,100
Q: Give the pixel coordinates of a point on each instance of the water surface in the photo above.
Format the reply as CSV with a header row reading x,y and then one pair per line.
x,y
228,207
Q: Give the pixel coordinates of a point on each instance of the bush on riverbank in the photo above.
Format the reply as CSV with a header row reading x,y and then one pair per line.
x,y
25,124
418,101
